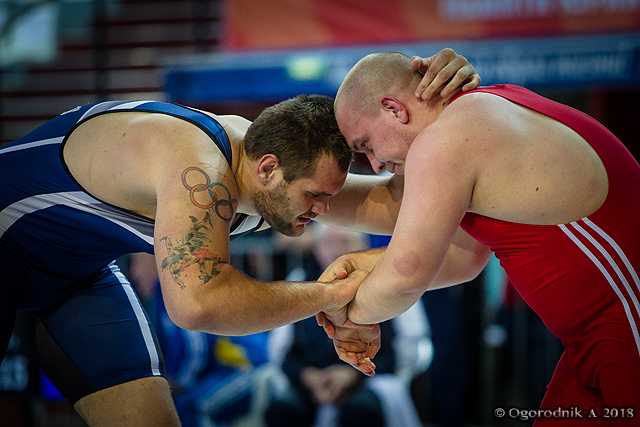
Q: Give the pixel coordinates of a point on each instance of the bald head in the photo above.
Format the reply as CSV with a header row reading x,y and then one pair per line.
x,y
374,76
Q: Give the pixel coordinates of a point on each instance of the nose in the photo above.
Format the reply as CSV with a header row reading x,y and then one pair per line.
x,y
320,205
377,166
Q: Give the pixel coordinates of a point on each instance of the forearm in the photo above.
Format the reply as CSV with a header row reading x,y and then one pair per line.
x,y
389,289
232,303
396,282
376,302
464,261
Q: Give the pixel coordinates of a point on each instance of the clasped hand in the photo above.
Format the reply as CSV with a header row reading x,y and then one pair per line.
x,y
354,344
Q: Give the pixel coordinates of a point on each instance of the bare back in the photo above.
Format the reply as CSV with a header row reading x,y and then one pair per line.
x,y
530,168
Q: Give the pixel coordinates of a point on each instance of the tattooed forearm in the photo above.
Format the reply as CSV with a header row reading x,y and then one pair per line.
x,y
191,251
212,196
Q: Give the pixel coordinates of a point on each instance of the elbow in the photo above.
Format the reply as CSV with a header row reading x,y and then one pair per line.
x,y
480,261
475,266
211,321
199,306
210,318
472,274
191,318
189,322
191,312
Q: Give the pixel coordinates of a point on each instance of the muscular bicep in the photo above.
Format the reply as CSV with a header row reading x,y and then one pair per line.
x,y
196,205
427,223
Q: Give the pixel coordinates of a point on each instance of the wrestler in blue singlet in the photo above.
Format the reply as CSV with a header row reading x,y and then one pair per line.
x,y
75,310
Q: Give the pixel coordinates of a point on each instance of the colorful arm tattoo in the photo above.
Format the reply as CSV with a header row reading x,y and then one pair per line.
x,y
192,250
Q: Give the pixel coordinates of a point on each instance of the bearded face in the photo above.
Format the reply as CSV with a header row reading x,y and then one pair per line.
x,y
275,207
289,206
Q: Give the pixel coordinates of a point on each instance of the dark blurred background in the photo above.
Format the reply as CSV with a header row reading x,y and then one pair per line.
x,y
239,56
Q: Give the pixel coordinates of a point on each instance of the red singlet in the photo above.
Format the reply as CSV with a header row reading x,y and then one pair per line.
x,y
581,278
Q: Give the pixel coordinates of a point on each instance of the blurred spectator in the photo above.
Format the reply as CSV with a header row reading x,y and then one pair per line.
x,y
19,385
321,389
532,351
445,388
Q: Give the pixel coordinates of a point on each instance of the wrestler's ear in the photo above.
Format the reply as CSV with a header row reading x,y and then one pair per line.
x,y
393,105
267,165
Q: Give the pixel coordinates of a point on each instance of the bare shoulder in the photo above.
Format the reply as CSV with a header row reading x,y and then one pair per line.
x,y
467,145
235,126
184,150
237,123
477,125
478,111
170,144
459,130
126,158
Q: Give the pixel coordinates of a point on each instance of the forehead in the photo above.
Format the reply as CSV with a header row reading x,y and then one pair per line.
x,y
354,129
327,178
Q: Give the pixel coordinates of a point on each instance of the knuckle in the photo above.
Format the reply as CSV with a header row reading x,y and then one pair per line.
x,y
464,71
448,52
431,73
445,74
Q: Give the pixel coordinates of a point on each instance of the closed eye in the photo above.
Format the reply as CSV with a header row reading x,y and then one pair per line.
x,y
360,147
316,195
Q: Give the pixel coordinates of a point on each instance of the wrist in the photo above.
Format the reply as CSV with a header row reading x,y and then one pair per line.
x,y
365,260
331,297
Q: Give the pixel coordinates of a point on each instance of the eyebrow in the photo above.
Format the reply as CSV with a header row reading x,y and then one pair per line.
x,y
355,145
320,193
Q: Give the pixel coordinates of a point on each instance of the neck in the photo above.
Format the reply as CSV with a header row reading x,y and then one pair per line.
x,y
439,103
244,173
435,106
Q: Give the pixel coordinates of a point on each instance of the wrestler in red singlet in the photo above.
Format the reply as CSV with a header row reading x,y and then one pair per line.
x,y
581,278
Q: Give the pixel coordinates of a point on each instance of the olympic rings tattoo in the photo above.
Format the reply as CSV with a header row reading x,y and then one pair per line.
x,y
216,202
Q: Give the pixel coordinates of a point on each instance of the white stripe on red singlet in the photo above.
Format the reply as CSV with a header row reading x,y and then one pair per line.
x,y
613,264
605,253
618,250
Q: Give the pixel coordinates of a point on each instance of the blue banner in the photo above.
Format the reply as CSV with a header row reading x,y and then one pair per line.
x,y
271,76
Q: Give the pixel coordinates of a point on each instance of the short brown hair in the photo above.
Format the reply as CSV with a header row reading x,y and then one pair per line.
x,y
298,131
